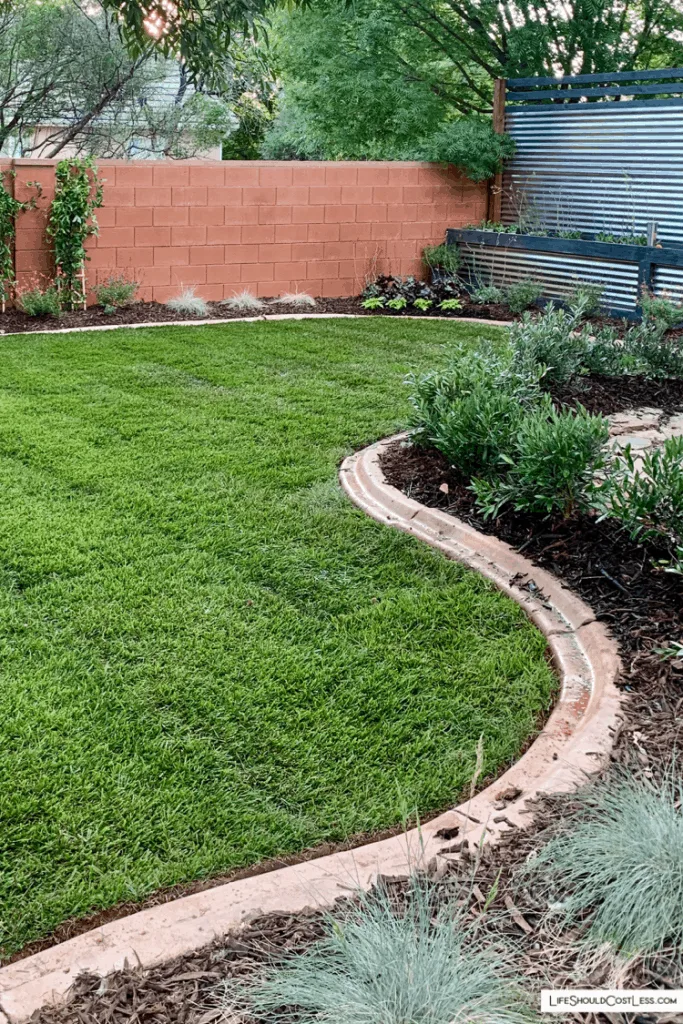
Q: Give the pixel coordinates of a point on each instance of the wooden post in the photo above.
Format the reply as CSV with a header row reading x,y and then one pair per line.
x,y
495,198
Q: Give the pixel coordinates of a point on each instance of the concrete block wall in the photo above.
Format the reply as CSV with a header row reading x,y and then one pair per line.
x,y
267,226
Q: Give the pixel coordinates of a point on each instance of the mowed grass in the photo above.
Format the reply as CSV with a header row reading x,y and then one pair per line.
x,y
208,655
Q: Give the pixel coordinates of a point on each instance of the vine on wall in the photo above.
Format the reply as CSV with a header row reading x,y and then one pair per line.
x,y
9,208
78,193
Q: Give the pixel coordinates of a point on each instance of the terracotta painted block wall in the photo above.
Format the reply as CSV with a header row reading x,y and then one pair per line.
x,y
267,226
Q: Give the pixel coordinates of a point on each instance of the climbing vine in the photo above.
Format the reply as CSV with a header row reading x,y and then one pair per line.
x,y
78,193
9,208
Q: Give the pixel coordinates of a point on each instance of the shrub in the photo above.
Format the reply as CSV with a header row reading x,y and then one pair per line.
x,y
647,350
397,303
189,303
409,288
648,501
116,292
374,302
244,301
619,864
450,304
470,144
660,309
552,462
423,304
551,340
471,410
300,299
422,964
488,293
586,300
38,302
442,257
522,294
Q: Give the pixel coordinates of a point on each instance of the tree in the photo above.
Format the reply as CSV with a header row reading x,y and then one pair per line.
x,y
67,79
377,77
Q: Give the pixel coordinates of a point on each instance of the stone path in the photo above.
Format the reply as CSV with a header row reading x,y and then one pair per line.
x,y
643,429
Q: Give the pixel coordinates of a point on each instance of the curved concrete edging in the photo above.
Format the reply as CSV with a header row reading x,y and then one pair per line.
x,y
263,317
574,742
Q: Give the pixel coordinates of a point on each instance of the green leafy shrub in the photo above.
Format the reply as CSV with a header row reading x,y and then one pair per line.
x,y
522,294
553,341
606,236
568,233
468,143
488,293
660,309
450,304
471,410
647,500
40,302
116,292
422,964
648,350
442,257
618,864
374,302
188,303
423,304
551,463
398,303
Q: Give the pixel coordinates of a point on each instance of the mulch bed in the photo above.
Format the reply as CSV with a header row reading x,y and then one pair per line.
x,y
643,607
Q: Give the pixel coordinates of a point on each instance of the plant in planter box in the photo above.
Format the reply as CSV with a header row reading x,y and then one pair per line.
x,y
660,309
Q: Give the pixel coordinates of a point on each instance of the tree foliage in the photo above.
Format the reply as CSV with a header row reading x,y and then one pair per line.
x,y
382,78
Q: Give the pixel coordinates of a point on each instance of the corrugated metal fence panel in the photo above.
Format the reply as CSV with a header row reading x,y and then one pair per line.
x,y
558,274
598,168
669,281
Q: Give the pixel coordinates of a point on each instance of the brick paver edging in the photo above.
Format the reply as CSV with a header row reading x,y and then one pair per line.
x,y
575,741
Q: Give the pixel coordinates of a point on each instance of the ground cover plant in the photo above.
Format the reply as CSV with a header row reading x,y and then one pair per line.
x,y
210,656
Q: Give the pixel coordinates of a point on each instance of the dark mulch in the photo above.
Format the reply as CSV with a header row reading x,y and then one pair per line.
x,y
14,321
608,395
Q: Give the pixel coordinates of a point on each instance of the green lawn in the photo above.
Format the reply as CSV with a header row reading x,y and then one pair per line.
x,y
208,655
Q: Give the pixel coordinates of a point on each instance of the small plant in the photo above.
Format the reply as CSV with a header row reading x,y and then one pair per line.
x,y
648,501
568,233
300,299
37,301
398,303
423,304
551,466
244,302
647,350
409,288
374,302
9,209
498,228
522,294
552,341
586,300
659,309
618,864
188,303
442,257
450,304
606,236
387,965
115,292
488,294
78,193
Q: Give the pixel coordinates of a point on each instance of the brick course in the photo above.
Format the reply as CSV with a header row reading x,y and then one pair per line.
x,y
269,226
